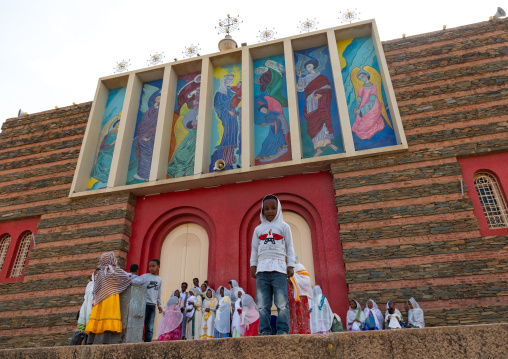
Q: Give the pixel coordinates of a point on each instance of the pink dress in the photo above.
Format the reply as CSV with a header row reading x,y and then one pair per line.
x,y
174,335
372,122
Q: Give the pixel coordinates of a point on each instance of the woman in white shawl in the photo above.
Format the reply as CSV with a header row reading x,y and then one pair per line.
x,y
84,313
250,316
233,292
299,294
194,323
236,325
223,314
170,325
415,314
208,309
321,315
374,319
393,317
355,317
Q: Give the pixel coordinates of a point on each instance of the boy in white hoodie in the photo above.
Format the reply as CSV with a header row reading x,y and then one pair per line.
x,y
272,262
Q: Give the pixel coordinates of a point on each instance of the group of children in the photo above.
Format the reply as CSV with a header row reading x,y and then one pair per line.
x,y
201,313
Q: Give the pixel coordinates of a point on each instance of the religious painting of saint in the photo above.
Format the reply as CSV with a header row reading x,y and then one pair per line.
x,y
368,113
226,117
140,161
107,140
185,123
272,143
319,117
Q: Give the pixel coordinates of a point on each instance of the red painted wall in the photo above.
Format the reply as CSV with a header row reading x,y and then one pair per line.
x,y
16,229
230,213
495,163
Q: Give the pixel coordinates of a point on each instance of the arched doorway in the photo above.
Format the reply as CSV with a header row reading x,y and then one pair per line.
x,y
302,241
184,256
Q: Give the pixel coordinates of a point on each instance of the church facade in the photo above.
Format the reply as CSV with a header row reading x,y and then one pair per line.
x,y
389,160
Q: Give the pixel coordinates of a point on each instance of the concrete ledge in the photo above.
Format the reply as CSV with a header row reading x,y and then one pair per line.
x,y
476,341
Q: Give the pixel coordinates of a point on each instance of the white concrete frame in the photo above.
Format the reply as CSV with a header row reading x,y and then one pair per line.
x,y
206,64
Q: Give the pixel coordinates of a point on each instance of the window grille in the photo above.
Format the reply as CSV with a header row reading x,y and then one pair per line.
x,y
492,200
4,246
19,263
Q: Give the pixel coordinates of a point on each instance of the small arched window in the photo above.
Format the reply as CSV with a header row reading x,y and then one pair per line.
x,y
492,200
19,263
4,246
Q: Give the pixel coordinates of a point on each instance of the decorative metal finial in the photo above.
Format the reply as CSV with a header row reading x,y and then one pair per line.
x,y
349,16
191,50
229,24
155,58
266,35
308,25
122,66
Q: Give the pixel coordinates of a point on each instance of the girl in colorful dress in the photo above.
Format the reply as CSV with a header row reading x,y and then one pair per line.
x,y
223,314
299,294
250,316
170,325
415,314
355,317
208,309
237,330
111,280
321,315
374,319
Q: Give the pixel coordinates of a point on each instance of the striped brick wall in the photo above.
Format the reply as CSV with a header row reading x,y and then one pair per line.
x,y
405,227
38,155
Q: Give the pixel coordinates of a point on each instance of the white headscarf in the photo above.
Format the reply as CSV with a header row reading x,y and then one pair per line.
x,y
278,216
237,319
415,315
321,315
250,311
223,314
233,296
378,316
352,315
301,281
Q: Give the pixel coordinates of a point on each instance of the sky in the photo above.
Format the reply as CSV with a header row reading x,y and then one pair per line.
x,y
54,52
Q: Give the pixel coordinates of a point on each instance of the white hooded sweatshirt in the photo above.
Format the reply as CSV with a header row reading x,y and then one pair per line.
x,y
272,241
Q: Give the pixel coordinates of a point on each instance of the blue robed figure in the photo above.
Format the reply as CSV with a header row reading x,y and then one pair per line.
x,y
229,117
275,144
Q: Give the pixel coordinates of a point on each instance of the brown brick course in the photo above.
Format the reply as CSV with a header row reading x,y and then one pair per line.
x,y
46,284
409,250
410,229
86,265
54,157
41,303
84,233
97,247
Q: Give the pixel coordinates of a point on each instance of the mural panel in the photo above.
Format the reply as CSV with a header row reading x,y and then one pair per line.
x,y
226,116
319,117
140,160
107,139
272,142
185,123
367,105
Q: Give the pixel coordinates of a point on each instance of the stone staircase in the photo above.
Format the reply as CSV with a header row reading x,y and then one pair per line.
x,y
475,341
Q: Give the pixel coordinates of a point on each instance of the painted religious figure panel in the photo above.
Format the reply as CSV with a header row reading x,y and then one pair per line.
x,y
369,113
272,142
319,117
140,160
226,116
182,148
107,139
